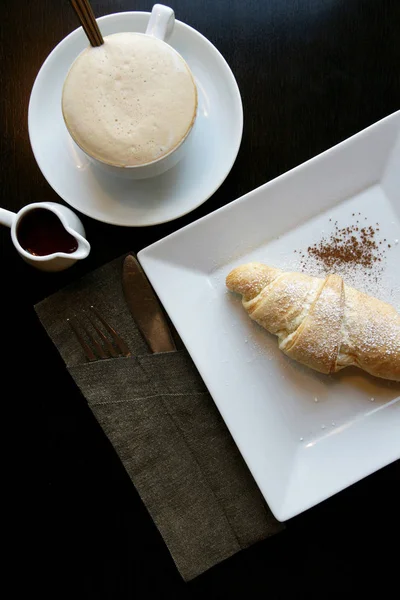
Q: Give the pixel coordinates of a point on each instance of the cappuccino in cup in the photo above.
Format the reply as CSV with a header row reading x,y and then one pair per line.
x,y
130,101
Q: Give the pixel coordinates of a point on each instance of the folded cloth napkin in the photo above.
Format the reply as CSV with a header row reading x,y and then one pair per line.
x,y
166,429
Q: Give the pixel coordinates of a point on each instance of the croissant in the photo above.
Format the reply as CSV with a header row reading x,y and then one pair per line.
x,y
321,323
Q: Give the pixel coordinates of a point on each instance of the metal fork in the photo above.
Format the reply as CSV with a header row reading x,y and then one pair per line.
x,y
101,348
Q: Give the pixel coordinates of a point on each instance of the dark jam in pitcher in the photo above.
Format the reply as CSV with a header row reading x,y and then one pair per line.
x,y
40,232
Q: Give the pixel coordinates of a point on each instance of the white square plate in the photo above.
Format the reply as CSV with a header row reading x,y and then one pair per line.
x,y
304,435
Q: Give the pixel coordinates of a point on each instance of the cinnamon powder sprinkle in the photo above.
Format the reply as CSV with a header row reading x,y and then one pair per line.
x,y
348,246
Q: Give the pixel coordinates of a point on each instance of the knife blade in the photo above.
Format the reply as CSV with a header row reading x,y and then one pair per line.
x,y
145,307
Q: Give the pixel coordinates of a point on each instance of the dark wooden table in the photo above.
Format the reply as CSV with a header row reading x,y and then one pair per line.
x,y
311,73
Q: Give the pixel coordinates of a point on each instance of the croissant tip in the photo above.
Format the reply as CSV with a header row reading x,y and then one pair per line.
x,y
249,279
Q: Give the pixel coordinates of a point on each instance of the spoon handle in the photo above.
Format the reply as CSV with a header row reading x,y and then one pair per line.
x,y
88,21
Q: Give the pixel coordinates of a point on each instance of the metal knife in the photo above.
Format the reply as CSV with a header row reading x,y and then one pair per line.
x,y
145,307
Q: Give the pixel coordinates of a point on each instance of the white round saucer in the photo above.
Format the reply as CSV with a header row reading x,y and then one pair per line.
x,y
214,143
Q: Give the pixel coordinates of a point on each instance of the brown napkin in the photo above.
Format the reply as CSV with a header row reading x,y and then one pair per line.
x,y
164,426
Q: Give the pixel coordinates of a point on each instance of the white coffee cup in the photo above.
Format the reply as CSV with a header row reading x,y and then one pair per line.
x,y
160,26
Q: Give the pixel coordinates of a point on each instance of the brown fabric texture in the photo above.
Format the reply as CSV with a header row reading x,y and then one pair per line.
x,y
166,429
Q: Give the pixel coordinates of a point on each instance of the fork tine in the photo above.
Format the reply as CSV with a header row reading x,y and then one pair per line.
x,y
106,341
98,347
119,342
90,355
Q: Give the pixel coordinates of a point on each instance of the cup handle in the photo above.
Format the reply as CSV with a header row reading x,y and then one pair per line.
x,y
161,23
6,217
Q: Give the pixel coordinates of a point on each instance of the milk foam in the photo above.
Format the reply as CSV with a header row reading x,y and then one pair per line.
x,y
130,101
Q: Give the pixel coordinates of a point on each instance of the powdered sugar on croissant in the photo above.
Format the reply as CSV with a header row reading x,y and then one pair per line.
x,y
321,323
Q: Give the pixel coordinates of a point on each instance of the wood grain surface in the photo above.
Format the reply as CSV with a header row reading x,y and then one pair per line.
x,y
311,73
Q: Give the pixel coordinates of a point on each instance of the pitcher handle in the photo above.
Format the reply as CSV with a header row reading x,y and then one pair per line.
x,y
6,217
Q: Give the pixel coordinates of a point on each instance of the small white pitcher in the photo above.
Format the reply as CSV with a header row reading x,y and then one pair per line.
x,y
57,261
